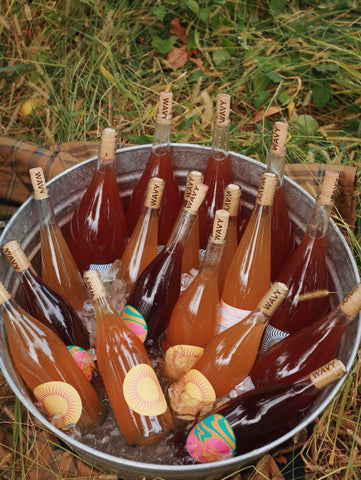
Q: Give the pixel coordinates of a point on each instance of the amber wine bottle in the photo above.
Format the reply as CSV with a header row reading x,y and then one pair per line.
x,y
191,257
58,267
44,303
132,386
218,172
306,272
157,288
194,318
48,368
143,243
98,230
249,274
226,360
255,418
159,164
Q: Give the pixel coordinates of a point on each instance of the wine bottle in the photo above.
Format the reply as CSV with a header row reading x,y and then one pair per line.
x,y
157,288
98,230
283,236
231,200
159,164
227,359
249,274
255,418
143,243
58,267
48,369
44,303
306,272
191,259
307,349
218,172
131,384
194,318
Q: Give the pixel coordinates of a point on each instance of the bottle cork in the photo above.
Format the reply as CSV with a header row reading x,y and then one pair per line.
x,y
16,256
328,188
273,298
108,145
94,285
222,110
266,189
164,115
193,177
220,225
328,373
4,294
232,195
197,196
278,144
351,304
154,192
38,182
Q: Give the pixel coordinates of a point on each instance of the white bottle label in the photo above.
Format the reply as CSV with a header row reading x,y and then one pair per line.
x,y
229,316
271,336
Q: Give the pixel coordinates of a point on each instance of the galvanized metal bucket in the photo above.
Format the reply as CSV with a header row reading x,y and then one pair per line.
x,y
66,190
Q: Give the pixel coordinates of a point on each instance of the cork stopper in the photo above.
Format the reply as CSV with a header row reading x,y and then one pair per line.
x,y
222,110
4,294
328,373
220,225
164,115
16,256
351,304
232,196
328,188
279,137
196,198
38,182
154,192
193,177
266,189
273,298
94,285
108,145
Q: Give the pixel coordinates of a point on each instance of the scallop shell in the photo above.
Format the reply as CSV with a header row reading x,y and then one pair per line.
x,y
211,439
142,391
197,386
135,321
60,399
83,359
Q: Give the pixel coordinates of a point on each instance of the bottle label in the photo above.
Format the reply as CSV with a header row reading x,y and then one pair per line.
x,y
229,316
60,399
83,359
179,359
211,439
198,387
271,336
135,321
142,391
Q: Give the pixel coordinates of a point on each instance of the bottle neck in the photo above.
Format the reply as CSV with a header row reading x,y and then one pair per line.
x,y
105,166
45,211
220,140
319,220
276,165
161,137
181,230
213,256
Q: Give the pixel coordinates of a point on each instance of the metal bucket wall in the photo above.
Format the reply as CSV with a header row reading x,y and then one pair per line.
x,y
66,190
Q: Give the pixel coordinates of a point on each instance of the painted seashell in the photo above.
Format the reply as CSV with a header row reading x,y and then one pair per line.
x,y
60,399
142,391
83,359
211,439
135,321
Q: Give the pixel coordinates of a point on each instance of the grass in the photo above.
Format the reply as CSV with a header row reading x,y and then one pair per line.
x,y
69,68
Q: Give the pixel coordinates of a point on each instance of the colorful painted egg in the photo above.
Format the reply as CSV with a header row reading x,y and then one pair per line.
x,y
142,391
60,399
83,359
211,439
135,321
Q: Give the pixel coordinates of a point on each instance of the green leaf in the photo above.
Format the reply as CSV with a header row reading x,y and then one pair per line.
x,y
196,75
229,46
260,82
160,11
220,57
305,124
261,98
187,122
274,77
193,6
277,6
162,45
321,94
